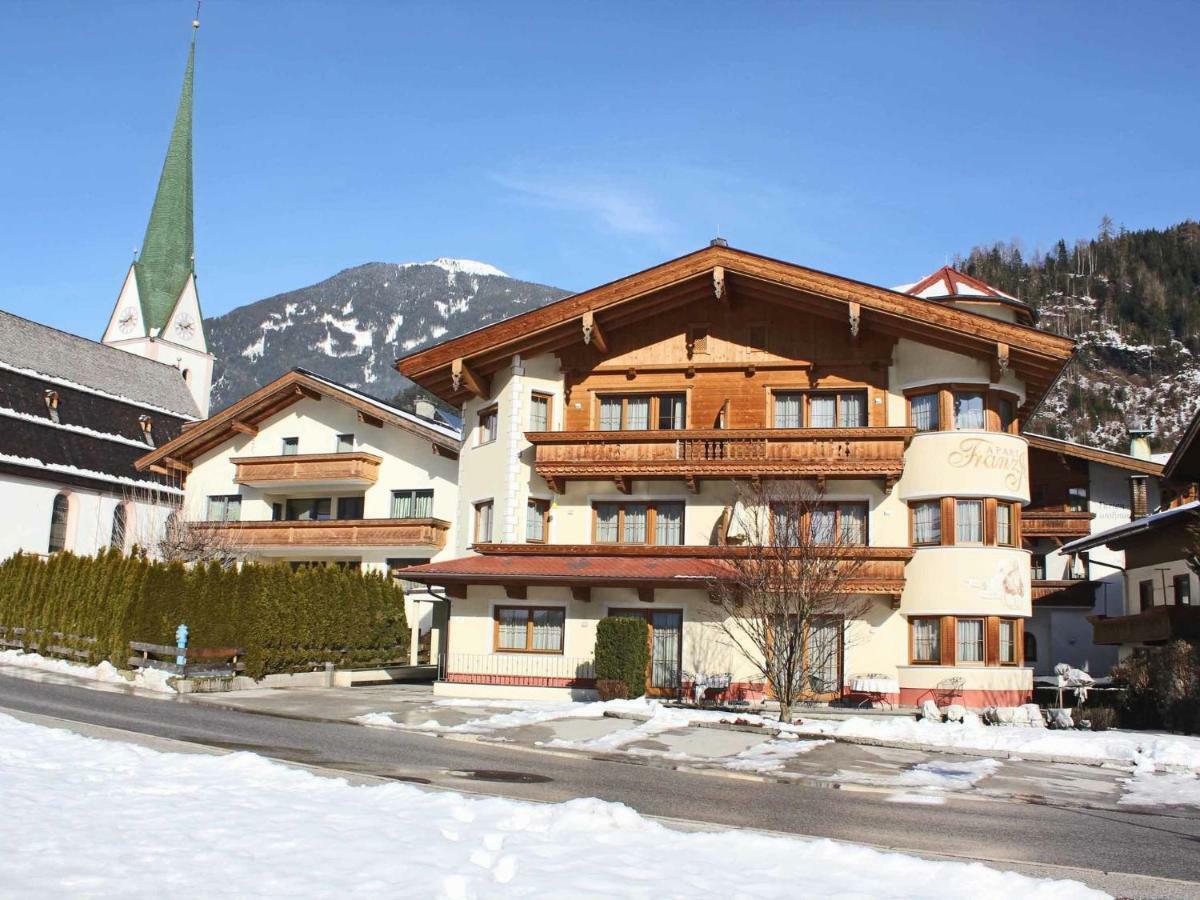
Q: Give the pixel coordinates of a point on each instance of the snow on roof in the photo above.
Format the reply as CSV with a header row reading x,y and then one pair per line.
x,y
455,266
30,462
88,389
1145,523
1160,457
65,426
444,430
947,282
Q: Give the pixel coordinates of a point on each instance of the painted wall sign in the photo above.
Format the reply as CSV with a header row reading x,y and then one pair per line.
x,y
983,453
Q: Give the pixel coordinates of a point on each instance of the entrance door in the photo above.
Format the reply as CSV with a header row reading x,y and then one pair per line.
x,y
666,648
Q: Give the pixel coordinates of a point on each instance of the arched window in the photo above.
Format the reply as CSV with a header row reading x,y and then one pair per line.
x,y
58,524
1030,647
186,375
117,540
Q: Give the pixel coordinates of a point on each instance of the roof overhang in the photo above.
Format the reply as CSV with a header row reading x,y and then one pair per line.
x,y
1095,454
1184,464
1118,537
459,368
244,417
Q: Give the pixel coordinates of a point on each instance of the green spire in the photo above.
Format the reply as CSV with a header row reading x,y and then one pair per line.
x,y
168,248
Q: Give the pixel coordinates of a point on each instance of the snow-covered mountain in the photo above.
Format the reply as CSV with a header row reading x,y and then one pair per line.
x,y
353,326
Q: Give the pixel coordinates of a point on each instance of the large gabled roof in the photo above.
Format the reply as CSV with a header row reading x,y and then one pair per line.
x,y
290,388
1095,454
1038,356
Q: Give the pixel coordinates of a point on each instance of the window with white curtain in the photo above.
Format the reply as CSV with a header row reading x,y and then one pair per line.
x,y
785,528
788,406
968,410
548,629
822,411
822,525
970,640
926,640
927,522
1004,529
606,523
224,508
852,410
610,413
923,412
513,626
852,523
539,412
484,513
1008,641
668,524
635,524
58,523
416,504
637,413
672,410
530,629
968,522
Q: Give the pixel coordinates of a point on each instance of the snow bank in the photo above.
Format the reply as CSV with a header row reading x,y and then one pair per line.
x,y
1142,749
273,831
148,679
941,775
1146,788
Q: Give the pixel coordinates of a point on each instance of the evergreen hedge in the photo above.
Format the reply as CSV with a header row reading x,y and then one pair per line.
x,y
286,621
623,652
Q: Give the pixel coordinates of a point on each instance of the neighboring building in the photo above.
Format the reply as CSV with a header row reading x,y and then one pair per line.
x,y
1076,491
76,414
1160,561
308,471
604,432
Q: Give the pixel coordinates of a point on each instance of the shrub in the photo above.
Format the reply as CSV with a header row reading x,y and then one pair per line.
x,y
611,689
1101,718
623,652
1162,688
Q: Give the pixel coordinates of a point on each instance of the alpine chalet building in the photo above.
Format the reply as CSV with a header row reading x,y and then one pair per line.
x,y
605,435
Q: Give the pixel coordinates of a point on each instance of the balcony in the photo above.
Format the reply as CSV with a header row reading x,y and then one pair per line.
x,y
712,453
1156,625
332,533
1055,523
317,470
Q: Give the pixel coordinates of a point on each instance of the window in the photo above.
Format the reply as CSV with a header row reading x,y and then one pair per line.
x,y
1030,643
697,339
845,409
610,413
822,411
638,523
1004,524
926,640
968,522
529,629
487,427
641,412
1183,589
923,412
785,527
116,539
637,414
350,508
1008,642
1037,567
970,640
968,410
822,525
672,409
1146,594
345,443
483,521
291,446
537,515
757,337
318,509
412,504
1006,412
788,409
927,522
852,410
539,412
58,523
224,508
1077,499
852,523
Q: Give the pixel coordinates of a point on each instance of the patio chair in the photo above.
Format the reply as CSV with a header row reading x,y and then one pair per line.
x,y
947,689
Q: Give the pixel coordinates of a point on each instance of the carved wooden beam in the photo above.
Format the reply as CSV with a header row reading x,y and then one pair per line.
x,y
646,594
462,375
177,464
554,483
855,321
693,483
582,593
369,419
593,335
244,427
889,482
302,391
516,591
456,591
718,282
622,483
1000,362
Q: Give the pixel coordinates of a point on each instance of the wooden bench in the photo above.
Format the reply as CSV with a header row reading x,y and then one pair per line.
x,y
209,662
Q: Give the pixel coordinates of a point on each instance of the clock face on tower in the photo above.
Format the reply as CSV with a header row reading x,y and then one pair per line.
x,y
185,326
127,320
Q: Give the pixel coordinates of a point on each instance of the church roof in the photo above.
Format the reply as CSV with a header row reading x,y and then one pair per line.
x,y
71,361
167,256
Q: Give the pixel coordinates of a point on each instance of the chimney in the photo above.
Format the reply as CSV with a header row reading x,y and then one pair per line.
x,y
718,242
1139,441
424,409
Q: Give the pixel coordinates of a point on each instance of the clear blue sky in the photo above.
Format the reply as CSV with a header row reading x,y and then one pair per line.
x,y
571,143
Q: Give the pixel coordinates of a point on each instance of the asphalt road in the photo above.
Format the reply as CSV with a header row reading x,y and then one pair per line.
x,y
1166,846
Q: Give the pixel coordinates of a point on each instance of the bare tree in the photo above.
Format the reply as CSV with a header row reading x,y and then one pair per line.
x,y
789,592
155,526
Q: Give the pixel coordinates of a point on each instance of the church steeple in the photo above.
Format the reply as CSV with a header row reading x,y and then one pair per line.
x,y
157,314
168,249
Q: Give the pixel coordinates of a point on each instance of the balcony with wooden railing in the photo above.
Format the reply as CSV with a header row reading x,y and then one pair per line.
x,y
1055,523
1156,625
693,454
334,533
350,469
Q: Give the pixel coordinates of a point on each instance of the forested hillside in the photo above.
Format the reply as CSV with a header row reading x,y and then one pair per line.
x,y
1132,300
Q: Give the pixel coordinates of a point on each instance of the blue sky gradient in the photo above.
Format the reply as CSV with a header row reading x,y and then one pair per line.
x,y
574,143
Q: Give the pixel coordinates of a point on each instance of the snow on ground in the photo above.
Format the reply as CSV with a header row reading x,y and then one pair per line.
x,y
86,817
940,775
1153,749
770,756
1147,788
147,679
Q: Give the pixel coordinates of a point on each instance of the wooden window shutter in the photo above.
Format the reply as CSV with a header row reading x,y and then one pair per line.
x,y
948,521
949,636
991,642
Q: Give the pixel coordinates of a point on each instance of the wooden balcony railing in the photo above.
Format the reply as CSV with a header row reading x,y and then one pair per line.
x,y
1156,625
353,468
1050,523
829,452
333,533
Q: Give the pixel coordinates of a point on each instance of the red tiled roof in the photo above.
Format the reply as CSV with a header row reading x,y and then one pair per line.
x,y
568,568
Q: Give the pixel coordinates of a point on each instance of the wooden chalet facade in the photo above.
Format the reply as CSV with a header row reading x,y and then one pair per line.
x,y
605,435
